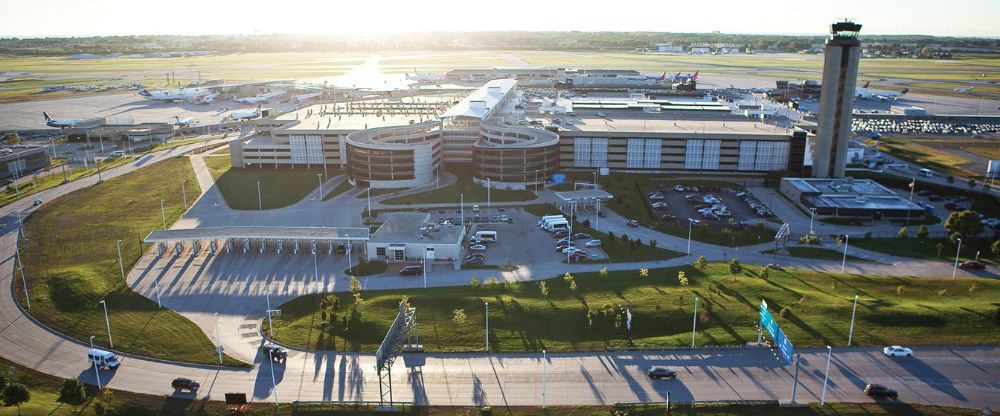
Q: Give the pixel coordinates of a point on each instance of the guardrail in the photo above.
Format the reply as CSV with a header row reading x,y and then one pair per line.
x,y
355,405
616,348
710,403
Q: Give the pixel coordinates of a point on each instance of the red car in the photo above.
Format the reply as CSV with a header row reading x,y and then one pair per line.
x,y
971,265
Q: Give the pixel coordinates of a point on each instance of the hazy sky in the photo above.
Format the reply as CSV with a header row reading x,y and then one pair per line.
x,y
194,17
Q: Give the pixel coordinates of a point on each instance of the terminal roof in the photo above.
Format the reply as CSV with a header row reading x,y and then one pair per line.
x,y
257,233
412,228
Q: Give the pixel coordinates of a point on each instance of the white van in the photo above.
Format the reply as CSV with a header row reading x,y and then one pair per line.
x,y
103,359
545,218
485,236
475,208
926,172
545,223
557,226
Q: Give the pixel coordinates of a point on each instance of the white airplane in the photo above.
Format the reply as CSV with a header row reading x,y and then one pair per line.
x,y
185,122
181,94
964,89
424,76
864,93
245,115
63,123
207,99
260,97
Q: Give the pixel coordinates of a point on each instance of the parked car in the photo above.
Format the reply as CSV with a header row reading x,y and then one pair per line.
x,y
477,247
275,353
561,234
562,246
925,192
593,243
411,271
504,218
935,198
474,260
475,255
571,250
878,390
582,236
181,383
577,256
972,265
660,372
632,223
951,206
897,351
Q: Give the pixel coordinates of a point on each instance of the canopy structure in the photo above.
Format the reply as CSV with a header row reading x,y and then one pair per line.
x,y
260,233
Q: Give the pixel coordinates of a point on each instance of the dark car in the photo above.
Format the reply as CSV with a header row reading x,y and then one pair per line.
x,y
951,206
878,390
660,372
972,265
935,198
582,236
925,192
181,383
411,271
275,353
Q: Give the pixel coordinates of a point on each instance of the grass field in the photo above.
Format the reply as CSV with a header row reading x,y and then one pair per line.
x,y
70,261
926,248
630,202
342,187
367,268
464,185
928,311
939,154
279,188
53,178
377,192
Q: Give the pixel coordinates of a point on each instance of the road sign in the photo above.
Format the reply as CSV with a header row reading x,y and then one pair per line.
x,y
777,335
558,178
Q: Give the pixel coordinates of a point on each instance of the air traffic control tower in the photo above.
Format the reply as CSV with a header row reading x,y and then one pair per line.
x,y
840,76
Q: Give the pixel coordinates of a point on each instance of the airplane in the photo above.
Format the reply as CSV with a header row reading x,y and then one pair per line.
x,y
207,99
424,76
682,78
186,122
245,115
64,123
181,94
260,97
964,89
662,77
864,93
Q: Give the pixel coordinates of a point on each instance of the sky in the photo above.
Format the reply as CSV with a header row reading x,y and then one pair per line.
x,y
39,18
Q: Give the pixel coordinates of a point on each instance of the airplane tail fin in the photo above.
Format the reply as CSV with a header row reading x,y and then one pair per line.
x,y
143,92
47,118
904,91
695,76
867,83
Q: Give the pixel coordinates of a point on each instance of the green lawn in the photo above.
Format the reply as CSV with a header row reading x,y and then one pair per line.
x,y
522,319
925,248
464,185
630,202
368,268
817,253
71,265
616,247
279,188
53,178
342,187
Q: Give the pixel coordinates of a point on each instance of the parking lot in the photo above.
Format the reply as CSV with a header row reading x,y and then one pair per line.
x,y
519,241
714,206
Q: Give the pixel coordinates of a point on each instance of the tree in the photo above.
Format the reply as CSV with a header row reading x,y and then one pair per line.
x,y
923,232
940,247
810,238
765,272
950,179
611,236
12,139
72,391
965,223
972,183
682,279
544,288
458,316
644,272
903,233
700,263
15,394
586,223
995,248
734,266
603,272
474,282
652,243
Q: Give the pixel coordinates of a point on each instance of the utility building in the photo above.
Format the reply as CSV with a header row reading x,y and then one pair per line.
x,y
840,75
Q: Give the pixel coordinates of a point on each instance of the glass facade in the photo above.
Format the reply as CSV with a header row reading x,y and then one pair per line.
x,y
590,152
763,155
702,154
643,153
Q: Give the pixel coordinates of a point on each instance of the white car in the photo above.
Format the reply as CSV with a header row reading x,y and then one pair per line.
x,y
477,247
897,351
593,243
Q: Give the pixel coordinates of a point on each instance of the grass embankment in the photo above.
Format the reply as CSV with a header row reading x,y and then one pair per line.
x,y
944,155
463,186
342,187
71,265
52,178
891,310
987,205
817,253
630,202
378,192
278,188
618,249
927,248
367,268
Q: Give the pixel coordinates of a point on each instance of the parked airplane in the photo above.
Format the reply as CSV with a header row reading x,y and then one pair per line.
x,y
207,99
682,78
64,123
259,98
245,115
964,89
186,122
864,93
424,76
662,77
181,94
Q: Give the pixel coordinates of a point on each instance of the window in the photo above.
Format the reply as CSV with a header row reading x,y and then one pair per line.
x,y
380,251
298,148
399,255
314,149
701,154
635,153
581,153
654,147
763,155
643,153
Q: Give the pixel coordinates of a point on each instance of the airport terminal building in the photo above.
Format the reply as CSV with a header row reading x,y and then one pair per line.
x,y
498,134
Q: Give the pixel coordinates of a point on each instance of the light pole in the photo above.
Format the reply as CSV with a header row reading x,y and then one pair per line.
x,y
163,214
184,192
488,193
121,264
260,202
423,267
595,179
107,322
24,283
218,339
954,269
694,321
96,373
487,304
99,179
690,221
315,268
854,311
843,262
826,375
274,383
369,203
461,208
544,370
156,283
795,381
812,214
319,196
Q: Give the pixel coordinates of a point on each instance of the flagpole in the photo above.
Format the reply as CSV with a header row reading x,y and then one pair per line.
x,y
913,184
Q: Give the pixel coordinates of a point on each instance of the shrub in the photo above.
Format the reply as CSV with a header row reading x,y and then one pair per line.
x,y
701,263
72,391
652,243
923,232
765,272
643,272
942,292
973,288
493,282
544,288
900,290
507,284
458,316
734,266
603,272
903,233
15,394
567,277
785,312
682,279
810,238
474,283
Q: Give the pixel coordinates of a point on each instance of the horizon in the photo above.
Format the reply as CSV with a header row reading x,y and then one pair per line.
x,y
310,17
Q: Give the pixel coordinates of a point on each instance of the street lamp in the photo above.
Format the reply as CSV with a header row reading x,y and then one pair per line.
x,y
487,304
121,264
843,262
544,370
959,250
184,192
854,311
260,203
96,373
488,193
812,214
163,215
319,196
694,321
218,339
107,322
99,180
826,375
690,221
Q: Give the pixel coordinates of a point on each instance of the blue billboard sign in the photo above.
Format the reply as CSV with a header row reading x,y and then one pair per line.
x,y
777,335
558,178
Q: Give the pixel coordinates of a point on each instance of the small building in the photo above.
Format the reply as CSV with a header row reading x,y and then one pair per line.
x,y
907,110
849,198
669,48
21,160
407,237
